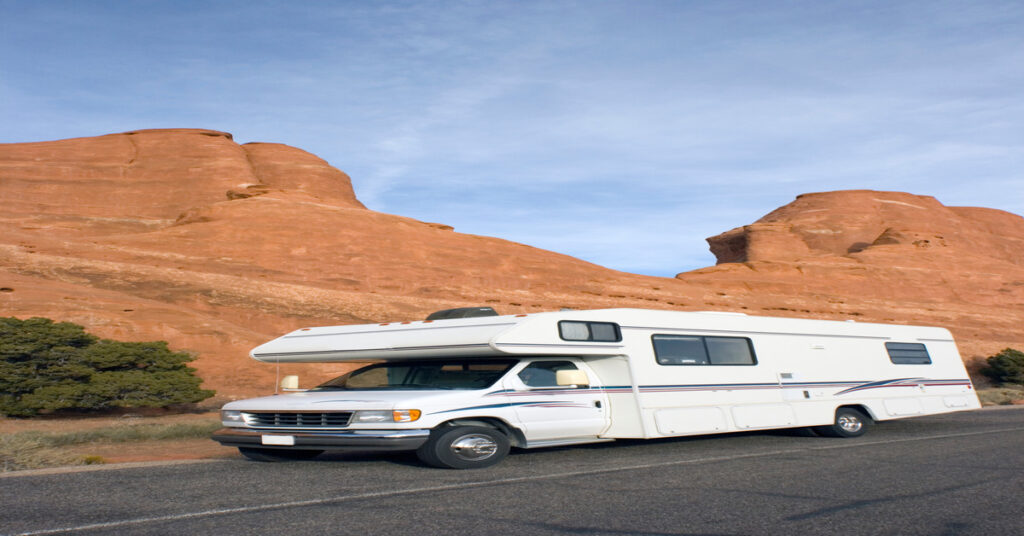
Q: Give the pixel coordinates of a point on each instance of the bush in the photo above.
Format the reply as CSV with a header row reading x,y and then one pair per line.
x,y
1006,367
52,366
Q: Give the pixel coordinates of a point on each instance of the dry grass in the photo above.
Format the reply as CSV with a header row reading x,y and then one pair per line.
x,y
22,451
38,449
1001,396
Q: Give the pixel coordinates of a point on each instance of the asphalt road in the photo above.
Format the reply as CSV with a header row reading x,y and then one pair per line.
x,y
951,474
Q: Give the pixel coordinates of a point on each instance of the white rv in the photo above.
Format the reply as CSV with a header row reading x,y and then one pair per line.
x,y
462,391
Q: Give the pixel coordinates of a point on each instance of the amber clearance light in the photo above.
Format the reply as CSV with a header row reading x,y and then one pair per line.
x,y
405,415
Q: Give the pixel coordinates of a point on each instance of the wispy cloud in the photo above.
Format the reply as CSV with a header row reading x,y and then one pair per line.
x,y
620,132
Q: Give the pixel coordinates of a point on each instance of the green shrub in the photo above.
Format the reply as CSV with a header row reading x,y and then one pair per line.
x,y
1006,367
46,366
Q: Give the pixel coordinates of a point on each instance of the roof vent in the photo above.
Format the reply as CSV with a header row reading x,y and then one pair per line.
x,y
462,312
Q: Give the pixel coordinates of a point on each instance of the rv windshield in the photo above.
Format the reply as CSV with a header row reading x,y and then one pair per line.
x,y
433,374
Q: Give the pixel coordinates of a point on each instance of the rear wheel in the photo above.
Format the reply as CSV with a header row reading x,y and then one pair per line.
x,y
848,423
278,455
464,447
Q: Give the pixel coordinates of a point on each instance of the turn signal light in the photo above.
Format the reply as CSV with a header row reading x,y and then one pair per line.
x,y
405,415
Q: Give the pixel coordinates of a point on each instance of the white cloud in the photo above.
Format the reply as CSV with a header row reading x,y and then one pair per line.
x,y
635,128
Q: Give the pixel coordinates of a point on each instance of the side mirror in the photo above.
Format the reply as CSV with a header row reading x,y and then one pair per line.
x,y
572,377
290,383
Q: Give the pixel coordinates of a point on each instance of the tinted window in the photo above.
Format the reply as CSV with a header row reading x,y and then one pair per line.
x,y
908,353
542,373
434,374
604,332
729,351
589,331
678,350
698,350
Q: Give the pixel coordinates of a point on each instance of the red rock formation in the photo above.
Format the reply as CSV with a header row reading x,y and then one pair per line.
x,y
186,236
882,256
844,223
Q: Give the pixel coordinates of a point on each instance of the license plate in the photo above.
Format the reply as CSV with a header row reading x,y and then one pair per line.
x,y
285,440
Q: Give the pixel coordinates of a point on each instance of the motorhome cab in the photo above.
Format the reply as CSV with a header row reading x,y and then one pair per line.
x,y
462,391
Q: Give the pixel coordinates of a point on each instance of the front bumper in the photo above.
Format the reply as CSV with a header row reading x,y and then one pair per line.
x,y
335,439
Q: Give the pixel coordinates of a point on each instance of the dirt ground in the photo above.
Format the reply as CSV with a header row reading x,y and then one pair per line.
x,y
146,451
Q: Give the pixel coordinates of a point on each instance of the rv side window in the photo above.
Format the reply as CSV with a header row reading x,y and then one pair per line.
x,y
589,331
697,350
730,351
908,353
679,350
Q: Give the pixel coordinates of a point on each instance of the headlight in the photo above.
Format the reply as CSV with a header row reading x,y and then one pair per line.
x,y
398,415
372,416
230,417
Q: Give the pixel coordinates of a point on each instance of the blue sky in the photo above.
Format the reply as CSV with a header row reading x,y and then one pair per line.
x,y
622,133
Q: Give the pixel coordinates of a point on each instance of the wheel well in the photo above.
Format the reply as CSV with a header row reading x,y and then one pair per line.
x,y
515,436
861,408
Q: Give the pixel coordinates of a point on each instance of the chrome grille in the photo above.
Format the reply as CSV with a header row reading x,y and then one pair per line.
x,y
332,419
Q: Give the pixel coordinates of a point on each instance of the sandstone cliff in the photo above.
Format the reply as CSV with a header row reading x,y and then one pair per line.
x,y
881,256
187,236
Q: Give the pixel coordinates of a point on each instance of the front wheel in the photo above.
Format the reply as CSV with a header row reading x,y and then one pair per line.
x,y
848,423
464,447
278,455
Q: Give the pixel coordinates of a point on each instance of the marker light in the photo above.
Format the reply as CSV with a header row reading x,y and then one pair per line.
x,y
405,415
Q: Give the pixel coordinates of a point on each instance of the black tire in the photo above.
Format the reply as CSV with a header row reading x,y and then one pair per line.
x,y
464,447
848,423
278,455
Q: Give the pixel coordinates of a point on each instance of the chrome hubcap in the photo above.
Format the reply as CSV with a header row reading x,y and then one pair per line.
x,y
849,424
474,447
